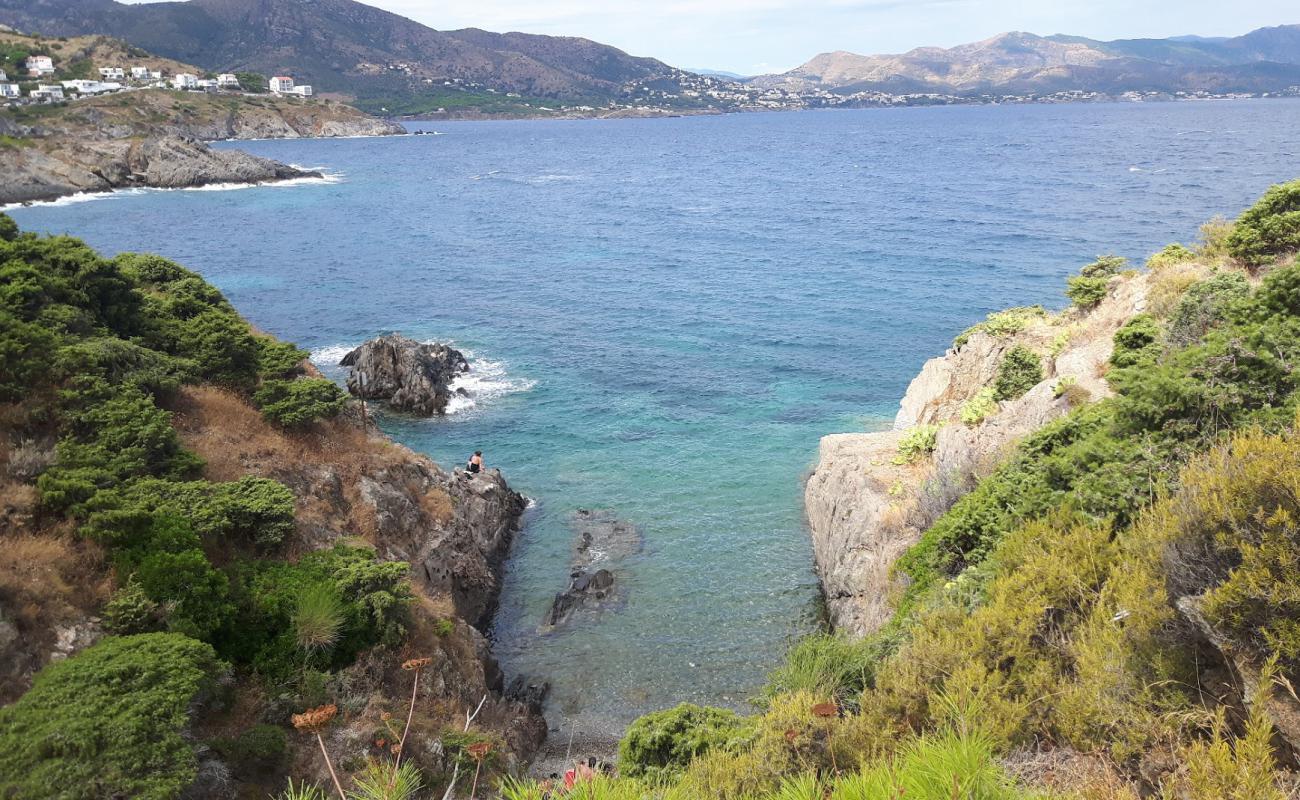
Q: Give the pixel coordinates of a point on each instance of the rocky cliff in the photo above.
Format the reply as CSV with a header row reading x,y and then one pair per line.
x,y
866,505
156,138
350,484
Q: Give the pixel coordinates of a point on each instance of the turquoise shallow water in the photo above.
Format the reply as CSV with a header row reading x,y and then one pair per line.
x,y
666,315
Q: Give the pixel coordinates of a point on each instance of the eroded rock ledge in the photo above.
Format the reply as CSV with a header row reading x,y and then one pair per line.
x,y
864,510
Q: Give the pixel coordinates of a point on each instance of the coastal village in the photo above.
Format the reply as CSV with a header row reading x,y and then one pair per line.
x,y
39,79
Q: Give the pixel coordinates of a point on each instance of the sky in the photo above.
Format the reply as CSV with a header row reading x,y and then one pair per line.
x,y
757,36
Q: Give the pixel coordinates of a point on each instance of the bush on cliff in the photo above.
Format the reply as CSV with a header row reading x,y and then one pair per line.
x,y
108,722
299,403
1268,229
1204,306
8,228
664,742
374,597
1019,371
1137,342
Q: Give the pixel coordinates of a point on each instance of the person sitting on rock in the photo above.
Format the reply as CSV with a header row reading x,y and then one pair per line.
x,y
475,464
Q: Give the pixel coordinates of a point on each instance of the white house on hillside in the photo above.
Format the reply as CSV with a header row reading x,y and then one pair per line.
x,y
47,92
39,65
281,84
206,84
302,90
140,73
227,80
91,87
3,76
10,90
112,73
185,80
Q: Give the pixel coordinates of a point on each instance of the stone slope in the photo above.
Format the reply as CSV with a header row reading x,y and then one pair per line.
x,y
864,510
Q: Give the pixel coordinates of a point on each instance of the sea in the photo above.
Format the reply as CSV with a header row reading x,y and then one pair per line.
x,y
665,315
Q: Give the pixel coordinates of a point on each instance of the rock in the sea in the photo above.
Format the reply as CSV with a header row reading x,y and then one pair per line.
x,y
585,589
408,375
601,541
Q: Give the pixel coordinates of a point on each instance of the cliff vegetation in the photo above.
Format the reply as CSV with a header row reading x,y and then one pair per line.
x,y
201,540
1108,611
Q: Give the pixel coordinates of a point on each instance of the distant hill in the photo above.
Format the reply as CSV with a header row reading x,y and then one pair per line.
x,y
1019,63
382,60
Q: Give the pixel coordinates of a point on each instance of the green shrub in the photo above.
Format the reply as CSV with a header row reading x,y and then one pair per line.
x,y
222,347
1020,370
1268,229
828,665
1003,323
1204,306
115,434
254,509
916,443
1136,342
318,618
299,403
374,595
195,594
980,407
277,359
1086,292
1170,256
8,228
1104,267
26,356
1063,385
130,611
664,742
935,767
107,722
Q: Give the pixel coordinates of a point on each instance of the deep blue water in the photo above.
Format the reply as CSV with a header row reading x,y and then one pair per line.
x,y
668,314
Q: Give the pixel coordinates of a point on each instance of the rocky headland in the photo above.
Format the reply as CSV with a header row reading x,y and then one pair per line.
x,y
157,138
408,376
866,505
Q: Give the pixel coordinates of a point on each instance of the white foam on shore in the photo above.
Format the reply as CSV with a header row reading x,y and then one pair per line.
x,y
486,380
86,197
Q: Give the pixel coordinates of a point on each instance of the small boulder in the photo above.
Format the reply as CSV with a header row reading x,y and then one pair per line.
x,y
409,376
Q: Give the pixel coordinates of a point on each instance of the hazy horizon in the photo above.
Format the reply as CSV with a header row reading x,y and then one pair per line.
x,y
751,37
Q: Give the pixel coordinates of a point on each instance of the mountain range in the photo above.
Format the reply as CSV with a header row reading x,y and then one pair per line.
x,y
388,64
381,60
1264,60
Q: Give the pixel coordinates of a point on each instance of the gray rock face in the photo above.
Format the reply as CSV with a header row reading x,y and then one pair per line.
x,y
408,375
864,510
460,554
95,166
601,541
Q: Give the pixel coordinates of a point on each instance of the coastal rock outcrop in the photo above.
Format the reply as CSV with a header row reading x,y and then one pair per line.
x,y
864,509
351,484
170,162
601,541
156,139
409,376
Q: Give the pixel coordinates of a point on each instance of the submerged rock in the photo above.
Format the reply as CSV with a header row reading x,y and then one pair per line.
x,y
408,375
601,541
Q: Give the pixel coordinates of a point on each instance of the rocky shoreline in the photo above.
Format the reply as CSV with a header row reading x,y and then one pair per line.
x,y
866,506
157,139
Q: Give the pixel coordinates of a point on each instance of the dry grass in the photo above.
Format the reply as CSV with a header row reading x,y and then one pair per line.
x,y
1168,285
234,440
